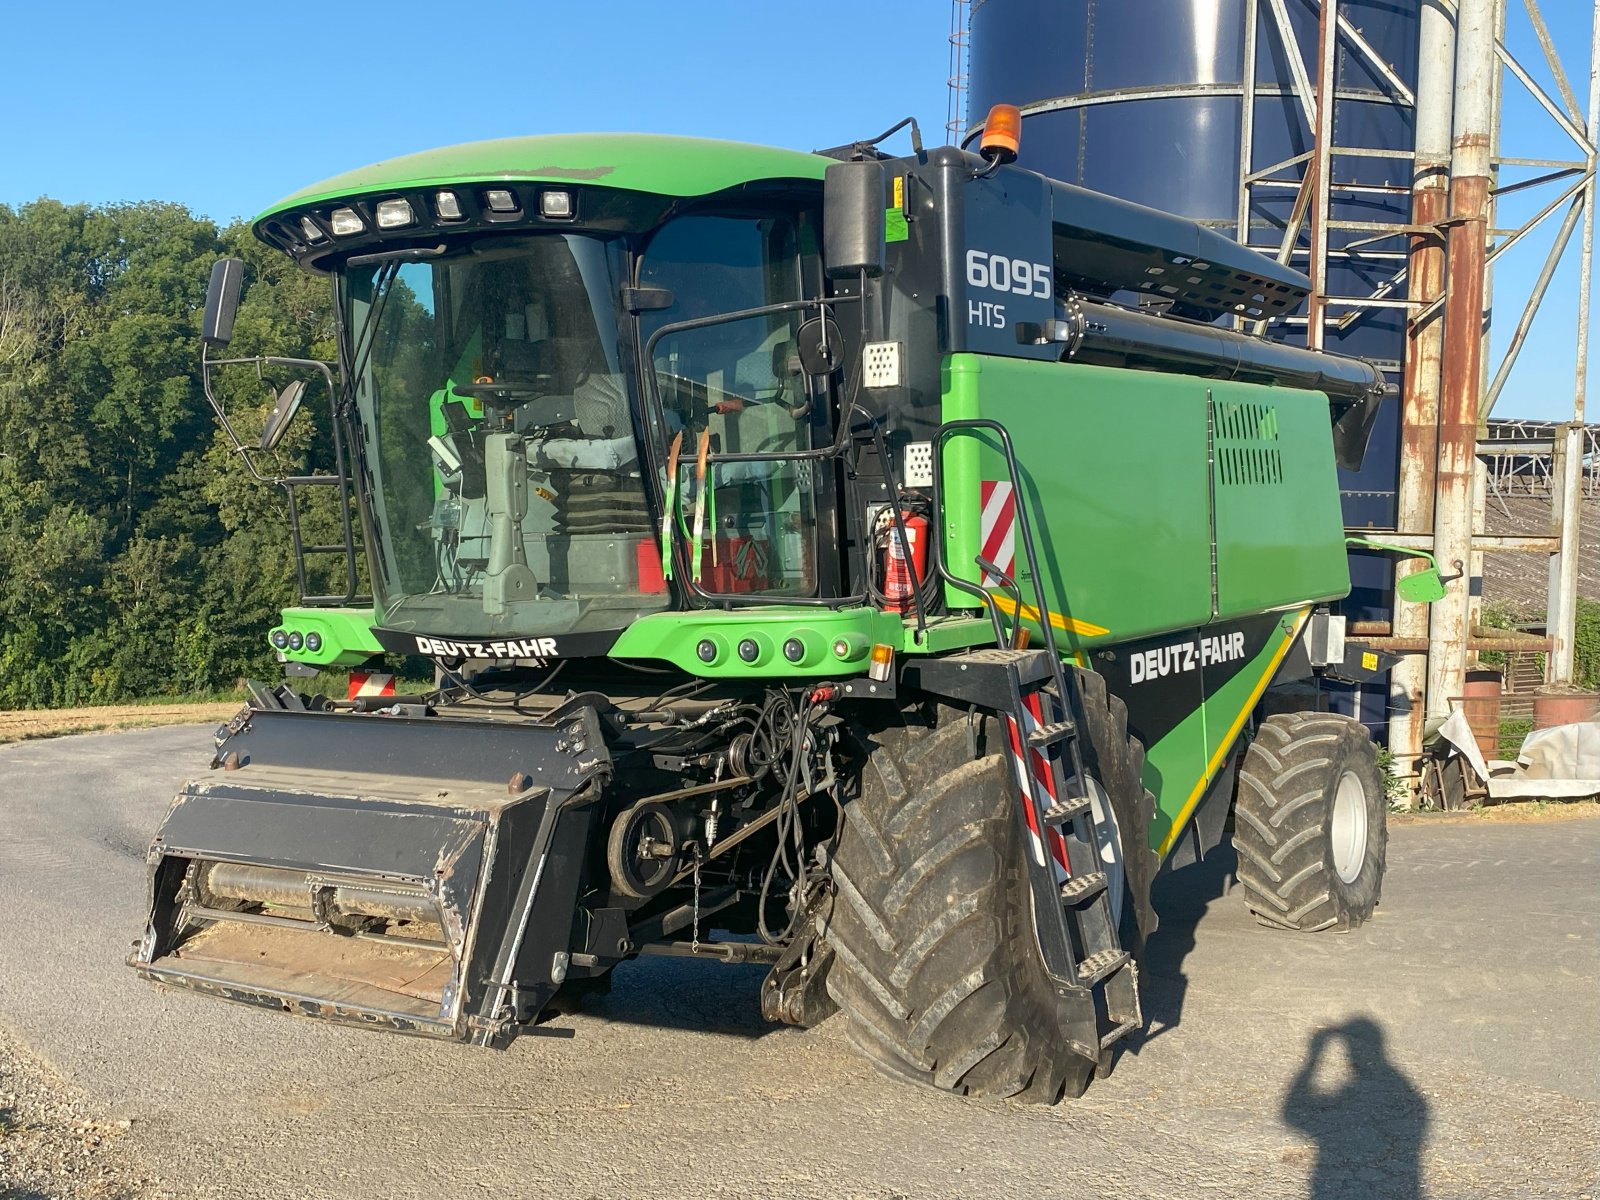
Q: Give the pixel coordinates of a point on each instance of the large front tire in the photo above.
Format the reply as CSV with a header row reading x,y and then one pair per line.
x,y
937,967
1309,823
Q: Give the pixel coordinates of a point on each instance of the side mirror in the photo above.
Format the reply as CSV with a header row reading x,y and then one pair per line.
x,y
222,301
819,346
647,299
1419,587
852,219
284,406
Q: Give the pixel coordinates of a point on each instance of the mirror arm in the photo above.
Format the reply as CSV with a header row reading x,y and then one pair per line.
x,y
258,361
206,363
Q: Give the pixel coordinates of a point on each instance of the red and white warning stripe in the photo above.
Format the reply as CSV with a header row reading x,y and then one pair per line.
x,y
1034,777
997,529
370,683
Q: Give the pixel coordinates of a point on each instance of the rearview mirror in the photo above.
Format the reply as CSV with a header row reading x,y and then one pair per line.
x,y
1420,587
852,219
284,405
819,346
222,301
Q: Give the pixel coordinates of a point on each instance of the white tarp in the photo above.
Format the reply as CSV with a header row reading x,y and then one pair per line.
x,y
1559,763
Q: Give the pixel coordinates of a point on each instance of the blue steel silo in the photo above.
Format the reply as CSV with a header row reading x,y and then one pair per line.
x,y
1146,99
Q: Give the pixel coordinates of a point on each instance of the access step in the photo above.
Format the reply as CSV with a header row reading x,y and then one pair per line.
x,y
1049,735
1083,887
1063,811
1120,1031
1102,964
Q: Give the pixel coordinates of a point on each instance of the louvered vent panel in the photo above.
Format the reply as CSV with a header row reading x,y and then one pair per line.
x,y
1247,445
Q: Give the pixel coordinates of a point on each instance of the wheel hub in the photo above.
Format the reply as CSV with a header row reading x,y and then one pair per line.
x,y
1348,829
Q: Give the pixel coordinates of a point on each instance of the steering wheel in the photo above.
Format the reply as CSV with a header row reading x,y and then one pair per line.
x,y
504,394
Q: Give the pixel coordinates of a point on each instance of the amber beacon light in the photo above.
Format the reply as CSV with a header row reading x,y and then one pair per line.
x,y
1002,134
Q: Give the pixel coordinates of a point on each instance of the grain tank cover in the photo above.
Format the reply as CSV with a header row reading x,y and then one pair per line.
x,y
1103,244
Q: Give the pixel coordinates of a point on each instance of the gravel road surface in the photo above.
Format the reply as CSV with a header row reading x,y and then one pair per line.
x,y
1447,1049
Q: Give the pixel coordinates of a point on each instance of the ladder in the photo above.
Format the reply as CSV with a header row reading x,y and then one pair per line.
x,y
1040,710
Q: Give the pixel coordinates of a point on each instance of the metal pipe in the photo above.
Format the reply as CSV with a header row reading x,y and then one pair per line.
x,y
1107,335
1461,373
1564,593
1430,182
1418,646
1322,140
1247,128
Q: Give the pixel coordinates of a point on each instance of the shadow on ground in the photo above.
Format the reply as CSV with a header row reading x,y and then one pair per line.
x,y
1181,899
677,993
1368,1120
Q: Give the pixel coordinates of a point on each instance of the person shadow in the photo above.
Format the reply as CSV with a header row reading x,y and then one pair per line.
x,y
1367,1119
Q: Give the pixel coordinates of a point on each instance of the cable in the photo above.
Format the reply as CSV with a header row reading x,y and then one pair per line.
x,y
788,826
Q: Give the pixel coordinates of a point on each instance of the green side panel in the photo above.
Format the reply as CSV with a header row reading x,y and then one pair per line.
x,y
346,635
1180,767
668,166
1172,768
1115,481
1280,532
675,637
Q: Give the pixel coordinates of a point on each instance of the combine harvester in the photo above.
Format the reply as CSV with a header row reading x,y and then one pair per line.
x,y
869,567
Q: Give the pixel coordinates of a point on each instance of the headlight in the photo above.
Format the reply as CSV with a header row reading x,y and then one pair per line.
x,y
448,206
313,642
501,201
346,221
395,214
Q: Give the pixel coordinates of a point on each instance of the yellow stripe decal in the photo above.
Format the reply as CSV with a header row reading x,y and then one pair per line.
x,y
1227,742
1063,623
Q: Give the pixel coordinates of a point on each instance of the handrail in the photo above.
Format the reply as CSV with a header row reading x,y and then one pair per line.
x,y
1024,535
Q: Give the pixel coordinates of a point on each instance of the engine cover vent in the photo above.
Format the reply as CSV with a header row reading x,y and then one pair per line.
x,y
1247,445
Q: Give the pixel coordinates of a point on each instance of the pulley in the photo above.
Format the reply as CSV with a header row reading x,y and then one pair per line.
x,y
642,852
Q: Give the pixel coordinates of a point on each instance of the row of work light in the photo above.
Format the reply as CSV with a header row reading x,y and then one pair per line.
x,y
448,206
293,639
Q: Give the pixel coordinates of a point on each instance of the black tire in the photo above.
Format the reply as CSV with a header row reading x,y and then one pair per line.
x,y
1116,760
1301,866
937,966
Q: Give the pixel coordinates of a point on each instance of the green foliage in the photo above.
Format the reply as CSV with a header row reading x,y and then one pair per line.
x,y
1394,787
1512,732
1586,645
137,556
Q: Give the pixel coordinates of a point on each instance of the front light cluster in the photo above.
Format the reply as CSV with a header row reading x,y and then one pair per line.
x,y
448,207
294,640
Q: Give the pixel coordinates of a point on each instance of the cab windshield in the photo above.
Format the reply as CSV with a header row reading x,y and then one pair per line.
x,y
506,486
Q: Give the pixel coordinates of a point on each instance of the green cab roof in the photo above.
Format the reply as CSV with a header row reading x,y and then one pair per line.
x,y
657,163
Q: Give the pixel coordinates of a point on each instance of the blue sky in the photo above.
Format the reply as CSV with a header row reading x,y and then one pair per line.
x,y
224,108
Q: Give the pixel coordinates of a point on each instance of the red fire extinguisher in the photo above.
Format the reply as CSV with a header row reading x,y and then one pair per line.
x,y
900,581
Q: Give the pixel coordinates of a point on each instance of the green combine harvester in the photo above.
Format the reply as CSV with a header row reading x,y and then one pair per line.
x,y
875,568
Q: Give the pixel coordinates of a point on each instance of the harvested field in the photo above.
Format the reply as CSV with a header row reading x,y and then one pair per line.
x,y
17,725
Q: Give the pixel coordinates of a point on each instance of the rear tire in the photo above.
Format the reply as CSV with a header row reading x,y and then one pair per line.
x,y
1309,823
937,965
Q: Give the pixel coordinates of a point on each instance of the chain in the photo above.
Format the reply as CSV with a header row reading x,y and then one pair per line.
x,y
694,940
